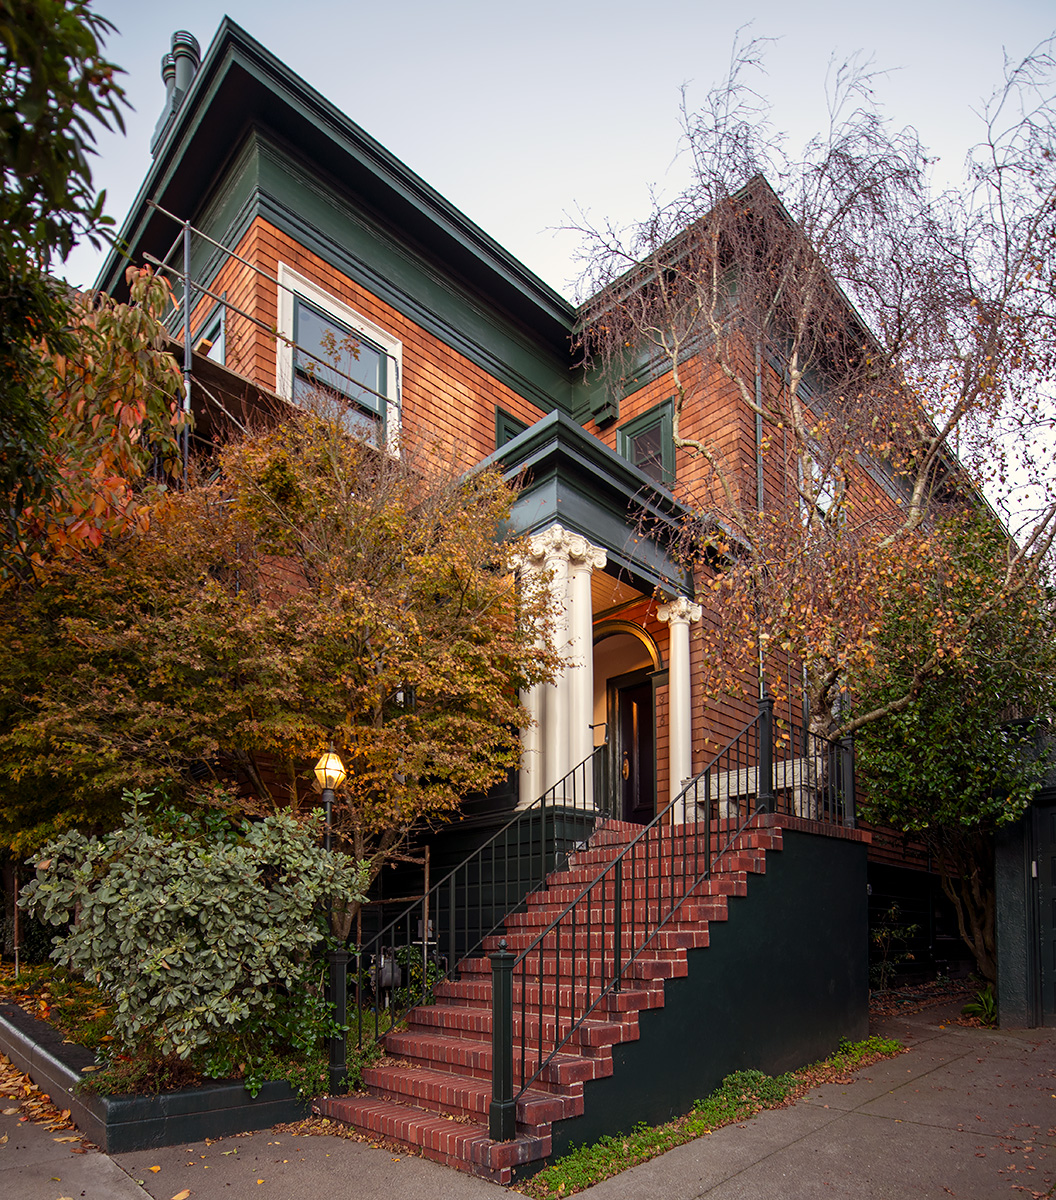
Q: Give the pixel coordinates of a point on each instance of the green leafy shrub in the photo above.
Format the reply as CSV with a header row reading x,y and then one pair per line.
x,y
984,1006
411,991
201,933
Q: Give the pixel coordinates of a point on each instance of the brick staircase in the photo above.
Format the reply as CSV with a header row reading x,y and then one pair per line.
x,y
433,1089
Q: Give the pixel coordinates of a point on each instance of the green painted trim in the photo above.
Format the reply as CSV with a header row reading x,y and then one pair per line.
x,y
507,427
266,180
574,479
237,80
662,414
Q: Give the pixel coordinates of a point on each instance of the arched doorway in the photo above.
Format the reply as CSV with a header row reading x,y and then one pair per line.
x,y
626,662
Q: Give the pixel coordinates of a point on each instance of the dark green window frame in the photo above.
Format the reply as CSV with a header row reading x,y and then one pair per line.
x,y
507,427
662,419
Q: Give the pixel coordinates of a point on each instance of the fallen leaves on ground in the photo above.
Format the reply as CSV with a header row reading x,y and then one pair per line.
x,y
30,1102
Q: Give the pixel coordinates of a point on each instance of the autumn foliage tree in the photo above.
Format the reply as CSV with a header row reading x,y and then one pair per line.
x,y
56,87
317,589
111,393
862,426
886,361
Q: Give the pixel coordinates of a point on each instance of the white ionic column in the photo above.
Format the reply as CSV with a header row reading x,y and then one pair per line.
x,y
678,613
530,776
583,559
530,784
551,546
563,710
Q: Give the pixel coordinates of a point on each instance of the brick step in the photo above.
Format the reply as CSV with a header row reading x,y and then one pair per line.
x,y
463,1145
553,1026
439,1091
597,939
661,960
573,884
583,877
632,908
475,993
438,1051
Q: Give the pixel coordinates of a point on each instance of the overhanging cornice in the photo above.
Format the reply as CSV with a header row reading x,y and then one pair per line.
x,y
240,83
569,476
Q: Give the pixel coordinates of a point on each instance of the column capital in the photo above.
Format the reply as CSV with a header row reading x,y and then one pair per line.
x,y
680,611
557,542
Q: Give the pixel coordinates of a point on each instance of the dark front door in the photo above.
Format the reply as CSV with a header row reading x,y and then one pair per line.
x,y
1045,847
636,761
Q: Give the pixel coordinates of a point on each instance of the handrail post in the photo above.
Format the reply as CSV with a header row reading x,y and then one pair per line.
x,y
765,781
502,1114
617,900
850,815
339,999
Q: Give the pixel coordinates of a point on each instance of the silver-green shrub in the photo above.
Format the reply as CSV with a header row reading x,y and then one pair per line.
x,y
201,933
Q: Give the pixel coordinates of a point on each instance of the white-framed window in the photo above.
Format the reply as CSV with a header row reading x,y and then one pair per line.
x,y
328,351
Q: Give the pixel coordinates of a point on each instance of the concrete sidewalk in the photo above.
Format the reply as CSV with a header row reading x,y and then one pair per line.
x,y
966,1113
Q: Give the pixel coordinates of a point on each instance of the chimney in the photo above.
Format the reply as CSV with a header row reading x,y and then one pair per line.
x,y
178,69
188,55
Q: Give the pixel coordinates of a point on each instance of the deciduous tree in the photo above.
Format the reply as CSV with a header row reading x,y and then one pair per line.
x,y
968,753
55,86
863,426
317,589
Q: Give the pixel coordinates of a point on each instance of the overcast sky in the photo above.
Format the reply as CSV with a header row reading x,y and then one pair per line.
x,y
519,114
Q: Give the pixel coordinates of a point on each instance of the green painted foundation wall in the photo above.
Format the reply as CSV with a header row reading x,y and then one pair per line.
x,y
784,979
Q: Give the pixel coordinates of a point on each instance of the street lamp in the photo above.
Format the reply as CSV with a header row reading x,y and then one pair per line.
x,y
330,771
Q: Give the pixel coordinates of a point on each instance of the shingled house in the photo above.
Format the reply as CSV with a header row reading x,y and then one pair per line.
x,y
290,225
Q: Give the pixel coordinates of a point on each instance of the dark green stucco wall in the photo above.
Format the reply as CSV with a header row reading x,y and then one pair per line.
x,y
1017,999
784,979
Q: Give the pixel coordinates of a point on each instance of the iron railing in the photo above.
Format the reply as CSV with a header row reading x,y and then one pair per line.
x,y
814,776
450,920
542,996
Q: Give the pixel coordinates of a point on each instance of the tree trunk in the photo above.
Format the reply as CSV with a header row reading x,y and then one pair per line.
x,y
965,859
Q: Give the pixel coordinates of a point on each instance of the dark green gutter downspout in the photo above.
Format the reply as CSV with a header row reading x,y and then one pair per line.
x,y
760,498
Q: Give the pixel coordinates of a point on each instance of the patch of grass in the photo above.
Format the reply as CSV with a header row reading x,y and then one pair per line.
x,y
737,1098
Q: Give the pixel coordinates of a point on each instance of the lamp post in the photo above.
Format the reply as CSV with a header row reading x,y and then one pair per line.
x,y
330,771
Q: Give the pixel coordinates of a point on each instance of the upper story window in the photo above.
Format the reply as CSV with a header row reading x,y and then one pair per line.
x,y
338,357
648,442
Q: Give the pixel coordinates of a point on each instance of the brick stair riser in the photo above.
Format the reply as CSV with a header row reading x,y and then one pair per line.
x,y
584,877
468,1059
476,1022
465,1147
477,994
480,968
595,911
586,941
435,1091
684,874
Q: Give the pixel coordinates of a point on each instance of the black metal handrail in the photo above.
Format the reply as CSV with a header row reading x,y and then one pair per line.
x,y
698,826
814,776
453,916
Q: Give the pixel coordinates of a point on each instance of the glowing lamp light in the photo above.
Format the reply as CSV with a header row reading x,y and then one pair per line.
x,y
330,771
